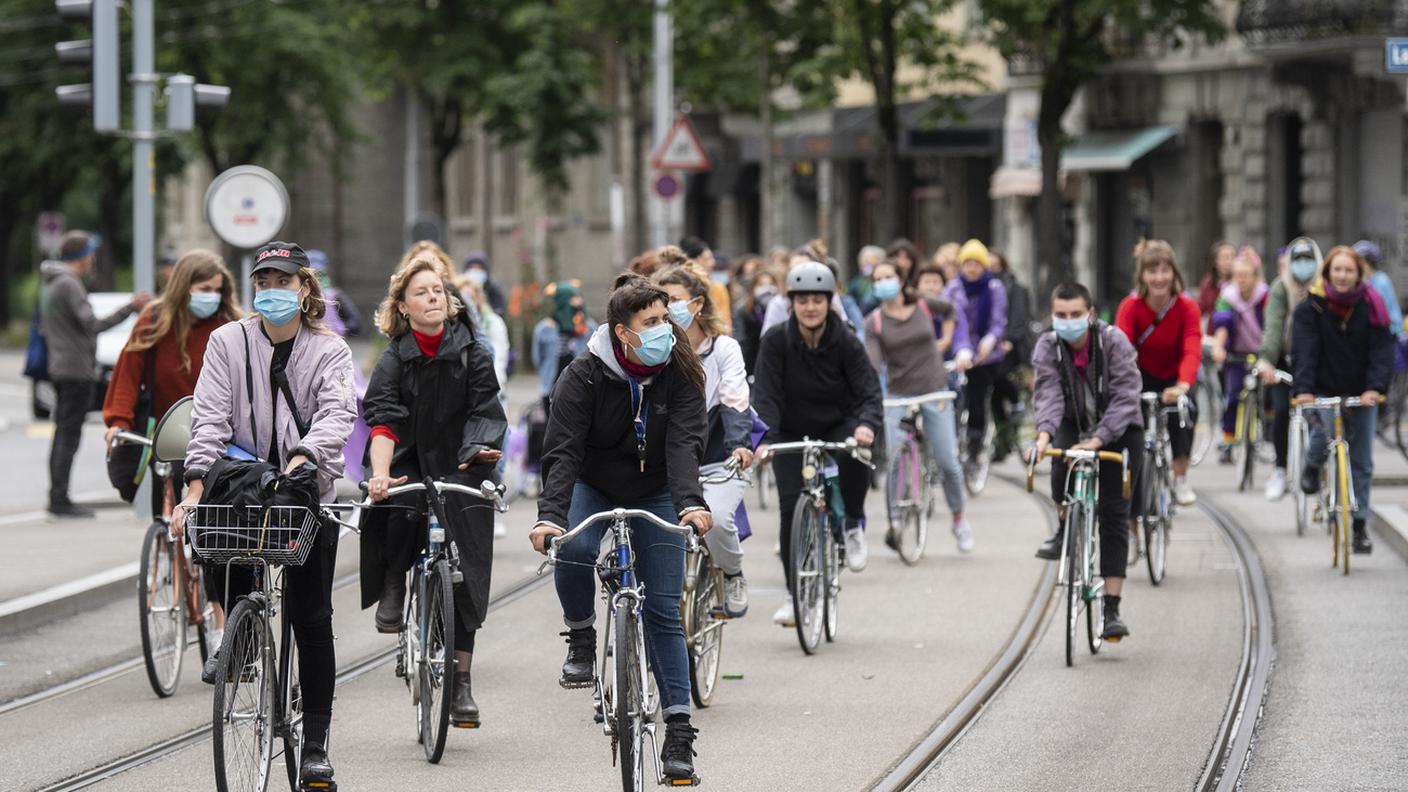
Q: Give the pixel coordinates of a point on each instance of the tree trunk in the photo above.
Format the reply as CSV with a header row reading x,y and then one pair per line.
x,y
1053,264
8,223
765,175
639,121
894,206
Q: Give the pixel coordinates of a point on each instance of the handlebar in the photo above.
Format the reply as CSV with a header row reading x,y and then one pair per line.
x,y
124,437
1154,399
1284,377
915,401
488,491
553,542
850,446
1121,457
1324,402
732,470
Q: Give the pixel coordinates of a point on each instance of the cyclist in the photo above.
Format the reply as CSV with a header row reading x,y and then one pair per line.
x,y
1016,351
982,298
560,336
748,317
691,307
1343,347
433,408
1238,321
845,307
814,380
869,257
627,429
1164,326
1382,283
900,341
303,369
1219,273
906,257
950,324
1086,396
1286,293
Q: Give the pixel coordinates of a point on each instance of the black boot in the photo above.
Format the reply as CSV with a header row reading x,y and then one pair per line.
x,y
1051,548
677,755
1310,479
1363,545
315,771
390,609
1114,626
579,669
464,713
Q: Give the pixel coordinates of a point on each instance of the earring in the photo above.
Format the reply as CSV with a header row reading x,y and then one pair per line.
x,y
304,305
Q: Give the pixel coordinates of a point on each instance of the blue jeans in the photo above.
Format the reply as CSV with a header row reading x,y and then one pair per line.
x,y
942,434
1359,425
659,564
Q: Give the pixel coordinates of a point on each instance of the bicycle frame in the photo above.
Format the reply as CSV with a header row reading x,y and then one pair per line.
x,y
1338,513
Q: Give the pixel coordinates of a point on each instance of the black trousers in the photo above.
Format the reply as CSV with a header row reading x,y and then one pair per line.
x,y
1281,423
71,401
787,468
402,538
1113,506
976,396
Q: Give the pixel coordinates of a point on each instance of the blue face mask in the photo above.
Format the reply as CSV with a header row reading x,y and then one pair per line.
x,y
679,311
719,276
886,289
277,305
1303,269
655,344
477,275
1070,330
205,304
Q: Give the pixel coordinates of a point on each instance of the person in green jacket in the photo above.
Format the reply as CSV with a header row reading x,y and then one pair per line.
x,y
1287,291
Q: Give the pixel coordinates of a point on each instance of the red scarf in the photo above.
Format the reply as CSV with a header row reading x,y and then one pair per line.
x,y
429,344
1343,303
637,370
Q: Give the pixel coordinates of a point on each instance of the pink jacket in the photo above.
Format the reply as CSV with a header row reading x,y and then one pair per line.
x,y
319,374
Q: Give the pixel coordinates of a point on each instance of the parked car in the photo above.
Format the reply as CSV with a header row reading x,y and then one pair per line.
x,y
110,344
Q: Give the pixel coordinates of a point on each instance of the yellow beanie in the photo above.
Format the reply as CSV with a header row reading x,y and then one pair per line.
x,y
975,250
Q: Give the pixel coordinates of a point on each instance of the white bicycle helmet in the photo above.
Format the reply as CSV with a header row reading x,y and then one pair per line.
x,y
811,276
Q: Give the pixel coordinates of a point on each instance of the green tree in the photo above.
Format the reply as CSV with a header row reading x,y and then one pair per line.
x,y
1069,42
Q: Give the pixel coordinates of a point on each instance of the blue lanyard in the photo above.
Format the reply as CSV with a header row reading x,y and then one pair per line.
x,y
639,414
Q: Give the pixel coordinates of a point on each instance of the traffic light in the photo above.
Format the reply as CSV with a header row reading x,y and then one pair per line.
x,y
100,53
184,96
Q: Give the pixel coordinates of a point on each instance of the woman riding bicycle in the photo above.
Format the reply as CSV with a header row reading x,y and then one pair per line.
x,y
1237,323
1343,347
433,408
627,430
814,380
1287,292
1086,397
900,340
730,416
982,298
284,352
1165,328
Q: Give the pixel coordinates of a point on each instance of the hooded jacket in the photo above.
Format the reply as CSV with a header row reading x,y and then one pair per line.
x,y
726,398
319,373
1340,357
799,391
997,318
1117,401
68,325
591,435
1286,293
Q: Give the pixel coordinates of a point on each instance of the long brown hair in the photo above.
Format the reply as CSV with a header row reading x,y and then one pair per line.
x,y
171,314
631,294
708,319
1150,253
389,320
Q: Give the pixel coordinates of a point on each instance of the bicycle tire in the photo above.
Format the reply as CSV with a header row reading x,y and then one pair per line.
x,y
975,475
908,516
244,683
808,574
1209,423
1248,419
706,635
1091,595
1344,496
196,582
1072,563
436,662
630,726
290,711
1154,519
161,611
831,586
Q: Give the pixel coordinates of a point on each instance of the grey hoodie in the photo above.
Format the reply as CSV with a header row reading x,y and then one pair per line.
x,y
68,325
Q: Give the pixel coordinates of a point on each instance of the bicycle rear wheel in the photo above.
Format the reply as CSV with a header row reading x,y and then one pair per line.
x,y
706,634
242,730
437,658
808,574
831,565
161,610
1092,595
1250,422
975,470
1155,522
291,703
1074,526
630,699
908,507
1209,424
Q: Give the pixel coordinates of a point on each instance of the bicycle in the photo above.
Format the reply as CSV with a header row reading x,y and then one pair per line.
x,y
702,608
818,550
1080,553
1207,395
1336,503
912,478
975,468
1250,430
1156,482
625,699
426,640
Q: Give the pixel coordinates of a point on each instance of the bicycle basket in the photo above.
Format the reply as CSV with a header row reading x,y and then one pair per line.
x,y
276,534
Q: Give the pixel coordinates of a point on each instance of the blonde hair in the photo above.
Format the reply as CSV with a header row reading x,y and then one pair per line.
x,y
389,320
688,278
171,314
426,249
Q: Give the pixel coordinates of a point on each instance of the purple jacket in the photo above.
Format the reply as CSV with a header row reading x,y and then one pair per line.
x,y
1122,374
319,374
997,322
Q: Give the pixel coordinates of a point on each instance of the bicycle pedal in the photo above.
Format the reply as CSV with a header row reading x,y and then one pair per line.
x,y
319,786
389,630
1113,640
465,724
683,782
568,685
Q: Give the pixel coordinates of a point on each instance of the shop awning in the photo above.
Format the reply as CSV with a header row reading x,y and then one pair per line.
x,y
1113,150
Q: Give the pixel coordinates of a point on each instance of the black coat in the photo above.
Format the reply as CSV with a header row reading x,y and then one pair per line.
x,y
799,391
1339,357
748,331
591,438
443,411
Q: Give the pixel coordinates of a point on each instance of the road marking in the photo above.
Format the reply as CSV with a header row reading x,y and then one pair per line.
x,y
83,498
68,589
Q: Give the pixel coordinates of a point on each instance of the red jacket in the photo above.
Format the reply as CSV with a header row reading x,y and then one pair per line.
x,y
1175,348
168,382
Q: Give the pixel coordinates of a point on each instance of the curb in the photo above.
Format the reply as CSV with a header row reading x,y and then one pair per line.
x,y
66,599
1391,525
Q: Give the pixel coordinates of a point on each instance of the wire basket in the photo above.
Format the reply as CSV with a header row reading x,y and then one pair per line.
x,y
276,534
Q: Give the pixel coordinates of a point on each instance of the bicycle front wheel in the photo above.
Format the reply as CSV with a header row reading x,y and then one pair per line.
x,y
1344,498
291,704
908,507
1250,421
808,574
1209,424
162,612
706,634
1155,520
437,660
630,698
242,732
1074,525
831,565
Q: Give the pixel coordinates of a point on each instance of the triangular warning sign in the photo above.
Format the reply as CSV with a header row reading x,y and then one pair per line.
x,y
681,150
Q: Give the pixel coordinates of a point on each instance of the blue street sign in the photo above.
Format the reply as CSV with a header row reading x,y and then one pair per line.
x,y
1396,55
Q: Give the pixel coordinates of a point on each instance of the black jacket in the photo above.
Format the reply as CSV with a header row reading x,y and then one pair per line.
x,y
748,330
591,438
1335,357
801,391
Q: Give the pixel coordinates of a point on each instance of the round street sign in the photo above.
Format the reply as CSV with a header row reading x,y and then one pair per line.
x,y
246,206
667,186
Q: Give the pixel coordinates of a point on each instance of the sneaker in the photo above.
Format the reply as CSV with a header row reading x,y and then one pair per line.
x,y
1310,480
785,616
1362,544
735,596
314,770
1276,485
857,553
1183,493
212,665
963,532
1115,629
1051,548
579,669
677,754
68,510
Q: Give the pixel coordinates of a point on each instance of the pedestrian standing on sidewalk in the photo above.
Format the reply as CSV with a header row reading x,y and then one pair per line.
x,y
71,331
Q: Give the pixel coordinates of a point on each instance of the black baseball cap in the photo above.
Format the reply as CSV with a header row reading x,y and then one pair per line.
x,y
282,256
